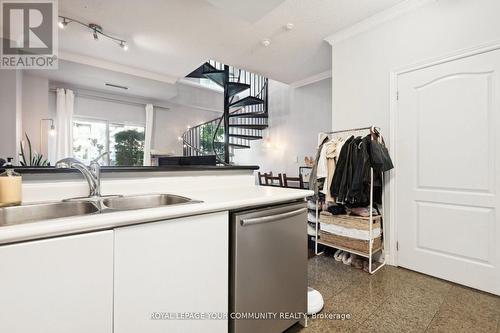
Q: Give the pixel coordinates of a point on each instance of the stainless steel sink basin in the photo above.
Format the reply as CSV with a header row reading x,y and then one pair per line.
x,y
144,201
46,211
84,206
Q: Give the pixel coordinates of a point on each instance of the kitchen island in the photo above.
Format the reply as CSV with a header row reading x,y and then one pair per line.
x,y
129,271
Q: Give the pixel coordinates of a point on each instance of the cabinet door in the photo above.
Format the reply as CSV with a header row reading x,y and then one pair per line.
x,y
177,266
58,285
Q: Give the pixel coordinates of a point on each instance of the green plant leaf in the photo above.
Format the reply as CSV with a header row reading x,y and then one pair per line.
x,y
37,162
30,149
23,162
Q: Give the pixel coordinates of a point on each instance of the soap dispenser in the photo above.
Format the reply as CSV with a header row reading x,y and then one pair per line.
x,y
10,186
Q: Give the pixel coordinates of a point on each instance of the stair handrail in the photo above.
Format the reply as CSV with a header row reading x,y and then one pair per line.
x,y
185,135
187,143
203,153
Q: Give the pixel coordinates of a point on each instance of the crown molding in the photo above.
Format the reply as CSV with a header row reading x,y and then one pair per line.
x,y
377,20
81,59
312,79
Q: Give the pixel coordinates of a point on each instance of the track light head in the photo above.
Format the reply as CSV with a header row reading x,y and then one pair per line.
x,y
62,24
96,29
124,45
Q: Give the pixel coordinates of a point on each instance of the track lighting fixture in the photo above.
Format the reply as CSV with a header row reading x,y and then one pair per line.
x,y
95,29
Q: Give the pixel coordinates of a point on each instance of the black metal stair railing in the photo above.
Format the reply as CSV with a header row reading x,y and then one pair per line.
x,y
245,114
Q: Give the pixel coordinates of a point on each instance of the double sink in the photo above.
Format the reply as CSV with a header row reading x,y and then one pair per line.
x,y
46,211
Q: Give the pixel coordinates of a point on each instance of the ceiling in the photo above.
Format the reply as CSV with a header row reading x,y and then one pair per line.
x,y
169,38
84,77
93,78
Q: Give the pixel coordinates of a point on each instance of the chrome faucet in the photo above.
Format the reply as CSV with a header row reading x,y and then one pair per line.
x,y
92,173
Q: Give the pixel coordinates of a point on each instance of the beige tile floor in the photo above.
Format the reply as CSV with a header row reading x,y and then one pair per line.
x,y
397,300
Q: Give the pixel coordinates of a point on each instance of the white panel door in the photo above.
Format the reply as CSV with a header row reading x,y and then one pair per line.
x,y
58,285
177,267
448,171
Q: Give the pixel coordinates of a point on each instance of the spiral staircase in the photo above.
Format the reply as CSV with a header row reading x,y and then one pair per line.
x,y
245,114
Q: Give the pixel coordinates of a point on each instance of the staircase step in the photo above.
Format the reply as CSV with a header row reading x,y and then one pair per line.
x,y
257,127
237,146
235,88
218,76
249,100
198,72
246,137
249,115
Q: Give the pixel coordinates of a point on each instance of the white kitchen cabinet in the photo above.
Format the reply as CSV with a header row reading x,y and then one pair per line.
x,y
58,285
178,266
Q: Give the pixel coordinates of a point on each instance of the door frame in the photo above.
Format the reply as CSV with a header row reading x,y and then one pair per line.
x,y
392,255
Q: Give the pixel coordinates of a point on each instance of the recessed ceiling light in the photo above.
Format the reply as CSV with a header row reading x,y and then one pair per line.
x,y
265,42
289,26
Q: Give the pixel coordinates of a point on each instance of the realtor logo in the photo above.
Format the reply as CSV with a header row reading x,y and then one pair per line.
x,y
29,34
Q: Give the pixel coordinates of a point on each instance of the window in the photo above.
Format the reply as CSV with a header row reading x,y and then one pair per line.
x,y
124,142
89,139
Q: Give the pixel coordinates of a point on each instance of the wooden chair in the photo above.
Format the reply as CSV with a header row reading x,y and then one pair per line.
x,y
299,180
262,177
271,180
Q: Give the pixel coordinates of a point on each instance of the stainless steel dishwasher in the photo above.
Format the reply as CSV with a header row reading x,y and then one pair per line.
x,y
268,268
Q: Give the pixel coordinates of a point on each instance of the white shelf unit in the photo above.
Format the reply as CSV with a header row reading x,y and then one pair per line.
x,y
371,251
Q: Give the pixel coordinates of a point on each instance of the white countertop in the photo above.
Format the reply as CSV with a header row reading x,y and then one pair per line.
x,y
228,197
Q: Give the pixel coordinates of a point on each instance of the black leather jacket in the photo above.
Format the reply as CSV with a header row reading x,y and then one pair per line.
x,y
351,181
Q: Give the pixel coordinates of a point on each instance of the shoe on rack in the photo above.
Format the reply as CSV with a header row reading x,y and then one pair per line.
x,y
345,258
338,254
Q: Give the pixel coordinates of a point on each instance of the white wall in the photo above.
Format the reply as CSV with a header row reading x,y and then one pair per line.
x,y
10,108
361,65
35,107
198,97
89,107
296,115
172,123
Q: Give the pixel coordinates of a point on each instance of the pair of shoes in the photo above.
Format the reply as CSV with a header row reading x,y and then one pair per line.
x,y
346,257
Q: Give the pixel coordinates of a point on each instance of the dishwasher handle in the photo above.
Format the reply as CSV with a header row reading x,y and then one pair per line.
x,y
272,218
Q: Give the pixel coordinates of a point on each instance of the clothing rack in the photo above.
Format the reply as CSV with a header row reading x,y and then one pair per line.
x,y
371,252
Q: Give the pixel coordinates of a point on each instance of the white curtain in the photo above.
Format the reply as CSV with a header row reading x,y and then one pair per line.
x,y
150,113
65,100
